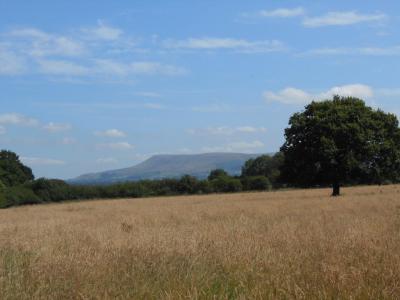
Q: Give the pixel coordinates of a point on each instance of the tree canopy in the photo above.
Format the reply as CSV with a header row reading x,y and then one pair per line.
x,y
341,141
264,165
12,171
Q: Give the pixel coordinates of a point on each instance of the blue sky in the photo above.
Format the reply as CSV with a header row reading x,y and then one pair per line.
x,y
96,85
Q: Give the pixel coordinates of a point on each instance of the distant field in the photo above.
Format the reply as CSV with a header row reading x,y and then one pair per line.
x,y
277,245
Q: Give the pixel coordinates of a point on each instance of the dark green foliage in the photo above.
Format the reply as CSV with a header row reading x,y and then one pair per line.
x,y
12,171
341,141
217,173
50,190
2,191
18,195
226,185
187,185
256,183
265,165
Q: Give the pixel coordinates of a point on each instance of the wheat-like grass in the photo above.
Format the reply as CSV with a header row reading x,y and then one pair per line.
x,y
298,244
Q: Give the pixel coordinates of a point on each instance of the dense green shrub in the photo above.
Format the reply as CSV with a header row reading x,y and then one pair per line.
x,y
214,174
18,195
226,185
50,190
12,171
256,183
264,165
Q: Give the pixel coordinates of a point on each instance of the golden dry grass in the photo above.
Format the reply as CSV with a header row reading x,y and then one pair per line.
x,y
278,245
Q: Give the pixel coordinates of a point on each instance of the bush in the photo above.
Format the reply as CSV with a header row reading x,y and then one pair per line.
x,y
217,173
226,185
18,195
256,183
50,190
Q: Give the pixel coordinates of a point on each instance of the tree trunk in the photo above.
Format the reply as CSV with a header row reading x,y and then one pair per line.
x,y
335,189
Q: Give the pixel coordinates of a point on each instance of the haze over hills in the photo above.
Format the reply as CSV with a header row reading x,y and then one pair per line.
x,y
170,166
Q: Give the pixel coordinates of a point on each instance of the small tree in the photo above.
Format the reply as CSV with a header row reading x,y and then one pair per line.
x,y
256,183
217,173
264,165
337,141
12,171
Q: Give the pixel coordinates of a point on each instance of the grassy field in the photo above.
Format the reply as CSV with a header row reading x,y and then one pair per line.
x,y
277,245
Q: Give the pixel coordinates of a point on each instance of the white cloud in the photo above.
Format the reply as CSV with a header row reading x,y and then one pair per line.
x,y
154,68
226,130
117,146
113,133
107,160
250,129
111,67
31,161
288,95
17,119
107,66
282,12
342,19
61,67
371,51
57,127
355,90
236,147
295,96
41,44
103,32
2,130
239,45
76,55
10,63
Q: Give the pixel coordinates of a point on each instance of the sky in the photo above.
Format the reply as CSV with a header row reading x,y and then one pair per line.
x,y
87,86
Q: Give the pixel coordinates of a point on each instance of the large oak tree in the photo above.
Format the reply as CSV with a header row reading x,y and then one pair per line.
x,y
340,141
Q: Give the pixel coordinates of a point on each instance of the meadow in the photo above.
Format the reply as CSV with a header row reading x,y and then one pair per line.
x,y
299,244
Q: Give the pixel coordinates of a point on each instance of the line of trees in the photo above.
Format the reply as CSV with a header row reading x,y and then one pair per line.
x,y
23,189
331,143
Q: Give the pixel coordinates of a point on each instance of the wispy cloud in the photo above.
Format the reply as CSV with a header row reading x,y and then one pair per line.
x,y
39,161
296,96
39,43
148,94
117,146
343,18
241,146
61,67
106,160
2,130
10,63
102,32
108,68
154,68
94,52
57,127
17,119
371,51
282,12
226,130
113,133
156,106
238,45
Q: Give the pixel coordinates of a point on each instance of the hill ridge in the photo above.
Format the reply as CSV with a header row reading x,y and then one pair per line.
x,y
170,165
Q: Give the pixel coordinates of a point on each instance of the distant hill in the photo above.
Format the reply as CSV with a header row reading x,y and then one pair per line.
x,y
171,166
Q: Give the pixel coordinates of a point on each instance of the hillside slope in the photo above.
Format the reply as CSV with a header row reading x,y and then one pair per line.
x,y
163,166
